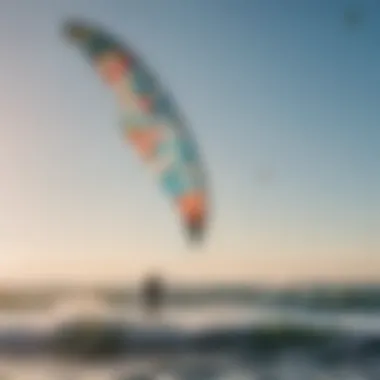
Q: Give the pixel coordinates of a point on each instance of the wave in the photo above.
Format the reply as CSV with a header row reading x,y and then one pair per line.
x,y
108,340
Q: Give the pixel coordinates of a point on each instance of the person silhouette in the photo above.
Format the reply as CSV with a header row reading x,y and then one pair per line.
x,y
152,294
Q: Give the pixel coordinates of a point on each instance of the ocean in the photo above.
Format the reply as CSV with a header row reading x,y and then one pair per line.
x,y
217,341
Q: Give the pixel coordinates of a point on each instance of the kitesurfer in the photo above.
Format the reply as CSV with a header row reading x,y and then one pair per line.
x,y
152,294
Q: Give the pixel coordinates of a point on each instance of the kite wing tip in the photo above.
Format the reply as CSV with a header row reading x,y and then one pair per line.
x,y
76,29
195,230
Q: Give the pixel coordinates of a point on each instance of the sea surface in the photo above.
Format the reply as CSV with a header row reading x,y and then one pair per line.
x,y
352,356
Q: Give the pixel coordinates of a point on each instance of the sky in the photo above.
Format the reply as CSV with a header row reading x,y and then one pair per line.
x,y
282,97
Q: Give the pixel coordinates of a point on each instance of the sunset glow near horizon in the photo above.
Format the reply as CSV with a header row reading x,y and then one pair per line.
x,y
284,102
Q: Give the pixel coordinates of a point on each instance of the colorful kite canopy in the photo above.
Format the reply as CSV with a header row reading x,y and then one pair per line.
x,y
151,122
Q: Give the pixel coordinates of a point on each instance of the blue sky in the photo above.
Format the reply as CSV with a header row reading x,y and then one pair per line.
x,y
283,99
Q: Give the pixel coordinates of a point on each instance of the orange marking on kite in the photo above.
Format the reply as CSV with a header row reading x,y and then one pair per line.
x,y
192,205
113,68
145,140
146,103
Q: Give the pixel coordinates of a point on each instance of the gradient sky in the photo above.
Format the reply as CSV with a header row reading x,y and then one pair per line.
x,y
283,98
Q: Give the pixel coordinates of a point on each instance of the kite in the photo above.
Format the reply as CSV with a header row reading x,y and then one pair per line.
x,y
150,122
